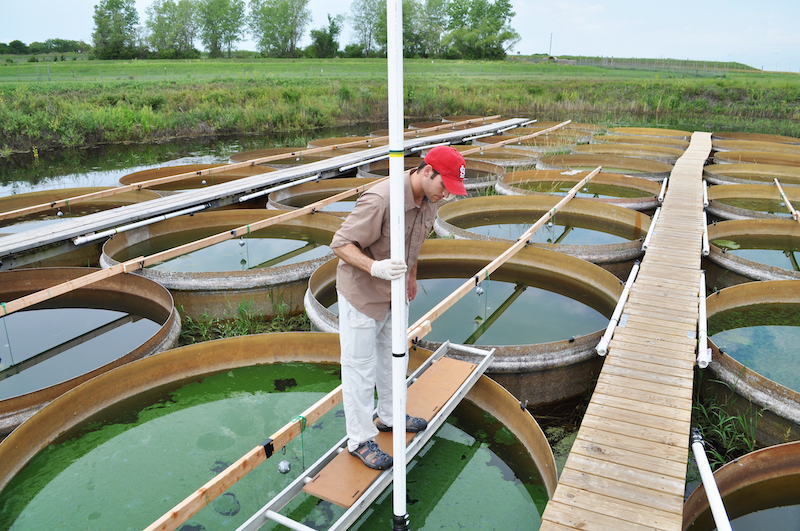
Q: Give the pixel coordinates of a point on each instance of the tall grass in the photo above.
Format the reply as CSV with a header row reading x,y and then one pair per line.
x,y
69,113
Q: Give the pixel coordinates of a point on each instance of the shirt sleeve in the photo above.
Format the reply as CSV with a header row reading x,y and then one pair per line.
x,y
363,225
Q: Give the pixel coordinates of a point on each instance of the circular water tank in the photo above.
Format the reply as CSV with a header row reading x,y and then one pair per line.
x,y
539,373
212,282
752,174
609,188
646,169
757,157
60,343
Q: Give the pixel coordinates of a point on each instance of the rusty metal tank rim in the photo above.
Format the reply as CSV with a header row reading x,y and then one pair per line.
x,y
642,140
270,290
651,131
745,173
122,292
757,481
756,157
211,357
666,155
534,207
551,361
507,185
726,230
719,193
645,169
761,137
773,397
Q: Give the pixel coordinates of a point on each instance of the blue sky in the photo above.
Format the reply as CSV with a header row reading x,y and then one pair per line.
x,y
761,34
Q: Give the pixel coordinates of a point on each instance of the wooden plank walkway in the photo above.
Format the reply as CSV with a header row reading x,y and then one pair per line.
x,y
627,467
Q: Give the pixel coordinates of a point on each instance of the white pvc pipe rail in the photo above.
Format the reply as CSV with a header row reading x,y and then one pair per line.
x,y
248,197
703,350
712,492
368,161
705,194
663,190
602,347
651,230
86,238
706,248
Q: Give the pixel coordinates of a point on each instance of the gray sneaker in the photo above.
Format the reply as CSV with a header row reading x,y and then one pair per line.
x,y
413,424
370,453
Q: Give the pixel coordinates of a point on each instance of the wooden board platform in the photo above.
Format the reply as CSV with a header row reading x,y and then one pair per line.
x,y
627,467
346,478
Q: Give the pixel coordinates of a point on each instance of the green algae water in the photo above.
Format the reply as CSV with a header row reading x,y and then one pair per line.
x,y
566,230
473,474
125,469
769,206
591,190
505,313
269,247
40,348
776,251
762,337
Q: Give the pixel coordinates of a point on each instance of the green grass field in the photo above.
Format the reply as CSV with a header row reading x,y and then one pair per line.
x,y
46,105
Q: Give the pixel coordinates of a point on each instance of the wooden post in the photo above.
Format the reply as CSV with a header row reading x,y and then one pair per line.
x,y
786,200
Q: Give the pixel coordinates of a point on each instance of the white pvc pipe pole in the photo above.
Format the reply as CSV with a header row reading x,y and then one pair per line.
x,y
651,230
705,193
394,23
706,248
602,347
703,352
712,492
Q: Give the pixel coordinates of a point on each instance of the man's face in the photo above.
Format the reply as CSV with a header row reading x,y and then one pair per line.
x,y
434,188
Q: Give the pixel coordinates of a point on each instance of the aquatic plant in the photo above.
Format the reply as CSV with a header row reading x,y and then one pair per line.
x,y
246,322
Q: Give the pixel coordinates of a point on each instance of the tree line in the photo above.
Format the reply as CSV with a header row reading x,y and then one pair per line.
x,y
450,29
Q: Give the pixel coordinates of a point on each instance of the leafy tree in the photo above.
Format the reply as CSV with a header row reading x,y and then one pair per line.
x,y
368,18
221,24
323,40
17,47
278,25
434,20
480,29
4,48
37,48
172,28
115,29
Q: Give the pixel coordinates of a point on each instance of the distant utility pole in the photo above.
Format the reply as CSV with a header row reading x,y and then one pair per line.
x,y
550,51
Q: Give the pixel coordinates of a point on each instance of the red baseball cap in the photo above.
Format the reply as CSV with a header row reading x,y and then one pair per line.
x,y
448,163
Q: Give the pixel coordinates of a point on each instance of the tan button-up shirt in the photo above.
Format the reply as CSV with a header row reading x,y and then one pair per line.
x,y
367,226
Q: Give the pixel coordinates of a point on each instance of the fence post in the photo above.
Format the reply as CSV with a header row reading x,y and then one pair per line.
x,y
48,73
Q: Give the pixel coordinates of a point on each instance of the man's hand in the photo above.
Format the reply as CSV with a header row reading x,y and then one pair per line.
x,y
388,269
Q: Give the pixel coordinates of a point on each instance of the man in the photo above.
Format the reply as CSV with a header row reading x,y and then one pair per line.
x,y
364,289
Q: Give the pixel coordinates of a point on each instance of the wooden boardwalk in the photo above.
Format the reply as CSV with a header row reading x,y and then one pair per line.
x,y
627,467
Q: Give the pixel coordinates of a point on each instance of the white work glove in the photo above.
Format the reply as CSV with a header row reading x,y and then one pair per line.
x,y
388,269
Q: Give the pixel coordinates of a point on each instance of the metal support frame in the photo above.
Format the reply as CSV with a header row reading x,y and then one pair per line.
x,y
269,510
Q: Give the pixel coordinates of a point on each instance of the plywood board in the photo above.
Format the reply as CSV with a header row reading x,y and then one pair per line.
x,y
346,478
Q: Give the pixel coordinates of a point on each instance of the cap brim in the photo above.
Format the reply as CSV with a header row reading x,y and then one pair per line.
x,y
454,186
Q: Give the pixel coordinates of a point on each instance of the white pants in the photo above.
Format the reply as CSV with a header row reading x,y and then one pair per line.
x,y
366,357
